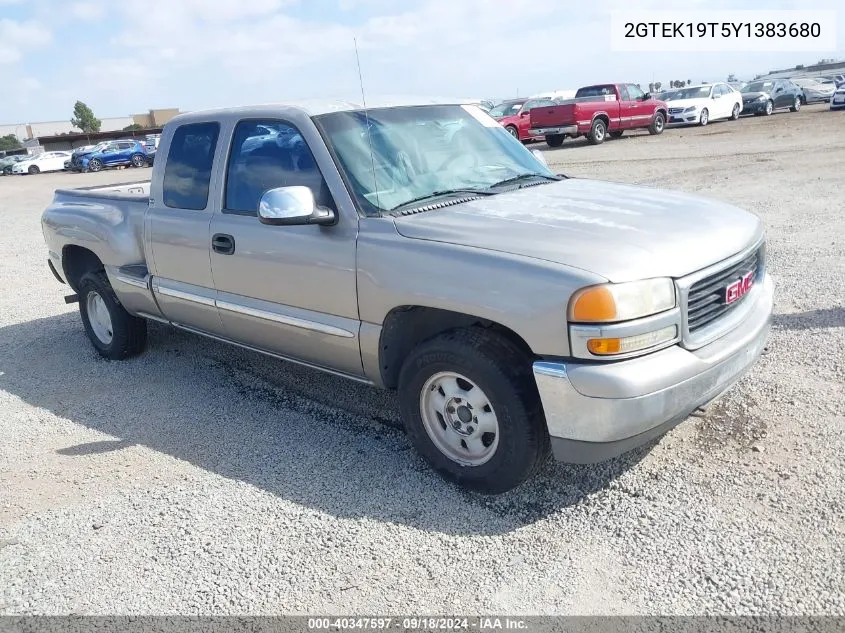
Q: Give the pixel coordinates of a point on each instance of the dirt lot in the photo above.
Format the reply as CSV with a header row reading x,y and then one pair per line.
x,y
201,479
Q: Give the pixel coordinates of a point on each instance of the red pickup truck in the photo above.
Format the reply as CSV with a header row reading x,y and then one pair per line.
x,y
598,111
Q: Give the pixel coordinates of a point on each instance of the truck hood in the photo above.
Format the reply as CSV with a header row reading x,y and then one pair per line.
x,y
621,232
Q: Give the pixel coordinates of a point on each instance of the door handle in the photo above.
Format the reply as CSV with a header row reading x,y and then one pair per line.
x,y
223,244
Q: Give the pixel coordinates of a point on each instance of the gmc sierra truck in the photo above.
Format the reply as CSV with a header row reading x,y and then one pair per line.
x,y
420,247
598,112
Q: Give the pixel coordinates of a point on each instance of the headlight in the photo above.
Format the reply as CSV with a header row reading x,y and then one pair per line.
x,y
691,109
623,320
607,303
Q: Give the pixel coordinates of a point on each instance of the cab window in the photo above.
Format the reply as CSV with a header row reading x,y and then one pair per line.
x,y
187,172
266,155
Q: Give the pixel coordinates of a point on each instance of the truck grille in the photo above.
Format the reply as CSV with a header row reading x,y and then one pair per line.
x,y
707,301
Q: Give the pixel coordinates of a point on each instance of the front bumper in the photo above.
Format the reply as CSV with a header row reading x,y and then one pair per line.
x,y
837,105
754,106
685,117
598,411
566,130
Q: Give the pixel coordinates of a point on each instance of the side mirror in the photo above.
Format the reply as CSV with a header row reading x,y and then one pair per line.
x,y
646,97
289,206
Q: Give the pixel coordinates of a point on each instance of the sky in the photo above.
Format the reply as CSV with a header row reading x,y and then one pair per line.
x,y
124,57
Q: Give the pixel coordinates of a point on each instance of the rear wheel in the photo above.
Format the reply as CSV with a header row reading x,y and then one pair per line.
x,y
658,123
796,105
114,332
33,169
735,112
470,406
138,160
555,140
598,132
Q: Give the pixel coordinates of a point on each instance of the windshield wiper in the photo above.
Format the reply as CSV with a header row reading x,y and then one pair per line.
x,y
521,177
442,192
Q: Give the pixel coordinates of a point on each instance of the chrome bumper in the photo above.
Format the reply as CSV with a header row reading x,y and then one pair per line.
x,y
569,130
598,411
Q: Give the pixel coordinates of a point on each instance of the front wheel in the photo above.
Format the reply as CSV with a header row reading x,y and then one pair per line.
x,y
658,123
796,105
704,118
33,169
769,108
598,132
95,164
470,407
513,131
114,332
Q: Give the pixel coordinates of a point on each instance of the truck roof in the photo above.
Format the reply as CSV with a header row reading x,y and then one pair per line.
x,y
315,107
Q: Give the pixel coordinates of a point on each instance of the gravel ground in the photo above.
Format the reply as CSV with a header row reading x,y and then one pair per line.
x,y
204,479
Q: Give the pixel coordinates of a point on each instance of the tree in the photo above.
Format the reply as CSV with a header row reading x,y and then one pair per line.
x,y
84,119
657,86
10,141
133,128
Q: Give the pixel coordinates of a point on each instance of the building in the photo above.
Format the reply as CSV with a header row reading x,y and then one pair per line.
x,y
813,70
66,142
151,119
155,118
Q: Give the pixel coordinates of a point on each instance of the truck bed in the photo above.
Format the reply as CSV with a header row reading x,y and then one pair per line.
x,y
136,190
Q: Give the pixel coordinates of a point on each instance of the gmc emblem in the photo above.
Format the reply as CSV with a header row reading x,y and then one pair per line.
x,y
738,289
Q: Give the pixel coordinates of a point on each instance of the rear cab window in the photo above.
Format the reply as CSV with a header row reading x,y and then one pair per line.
x,y
608,91
187,172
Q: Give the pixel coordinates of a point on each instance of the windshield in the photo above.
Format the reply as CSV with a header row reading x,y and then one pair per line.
x,y
421,150
758,86
506,109
701,92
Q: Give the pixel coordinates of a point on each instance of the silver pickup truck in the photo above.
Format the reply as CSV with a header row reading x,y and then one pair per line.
x,y
421,248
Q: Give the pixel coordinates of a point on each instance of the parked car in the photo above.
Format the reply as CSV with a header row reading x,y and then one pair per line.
x,y
513,115
7,162
124,152
837,99
74,162
767,95
45,161
813,90
597,112
512,308
704,103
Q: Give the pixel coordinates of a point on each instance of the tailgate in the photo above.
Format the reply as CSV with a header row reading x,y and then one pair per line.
x,y
553,116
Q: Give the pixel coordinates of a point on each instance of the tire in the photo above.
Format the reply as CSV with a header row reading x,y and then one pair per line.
x,y
770,107
115,335
616,133
95,164
436,387
598,132
555,140
658,123
33,169
735,112
138,160
513,131
796,105
704,117
803,100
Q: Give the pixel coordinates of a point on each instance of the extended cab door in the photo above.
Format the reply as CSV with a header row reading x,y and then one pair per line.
x,y
290,290
177,228
639,112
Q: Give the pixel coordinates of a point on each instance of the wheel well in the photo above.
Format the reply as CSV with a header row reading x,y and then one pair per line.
x,y
406,327
76,261
604,118
662,111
